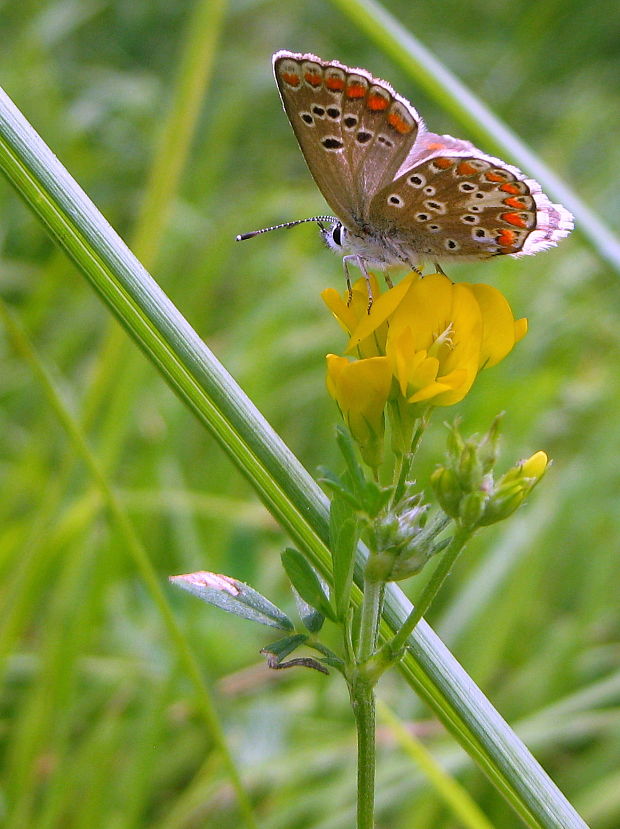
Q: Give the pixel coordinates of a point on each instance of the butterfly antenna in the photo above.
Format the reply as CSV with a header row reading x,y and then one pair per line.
x,y
317,219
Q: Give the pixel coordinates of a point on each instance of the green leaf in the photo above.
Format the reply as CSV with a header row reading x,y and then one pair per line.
x,y
375,497
349,453
306,582
234,597
311,617
343,537
277,651
331,482
334,662
281,648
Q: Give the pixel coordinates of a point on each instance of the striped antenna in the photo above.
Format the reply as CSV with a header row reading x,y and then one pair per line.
x,y
317,219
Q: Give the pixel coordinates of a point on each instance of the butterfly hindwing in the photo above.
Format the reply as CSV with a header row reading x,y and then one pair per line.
x,y
466,205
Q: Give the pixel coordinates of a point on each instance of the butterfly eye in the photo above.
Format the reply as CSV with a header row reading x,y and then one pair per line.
x,y
338,234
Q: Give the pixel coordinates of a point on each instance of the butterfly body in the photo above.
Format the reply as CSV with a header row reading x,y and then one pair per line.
x,y
401,194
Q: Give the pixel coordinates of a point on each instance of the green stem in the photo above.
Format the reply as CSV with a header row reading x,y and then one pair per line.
x,y
405,461
371,612
363,704
391,651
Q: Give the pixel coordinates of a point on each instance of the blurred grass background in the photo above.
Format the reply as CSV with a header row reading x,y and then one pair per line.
x,y
98,724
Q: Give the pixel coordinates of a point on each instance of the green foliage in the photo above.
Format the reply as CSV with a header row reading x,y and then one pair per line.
x,y
343,538
98,725
233,596
306,582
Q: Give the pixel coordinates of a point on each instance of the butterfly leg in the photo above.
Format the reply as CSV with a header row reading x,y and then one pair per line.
x,y
439,268
362,266
347,277
388,280
413,267
357,260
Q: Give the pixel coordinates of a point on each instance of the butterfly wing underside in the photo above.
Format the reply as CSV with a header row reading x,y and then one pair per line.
x,y
354,130
452,201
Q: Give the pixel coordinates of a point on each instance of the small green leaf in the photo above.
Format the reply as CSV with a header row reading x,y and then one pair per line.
x,y
349,453
312,618
306,582
281,648
234,597
277,651
334,662
336,486
343,536
374,498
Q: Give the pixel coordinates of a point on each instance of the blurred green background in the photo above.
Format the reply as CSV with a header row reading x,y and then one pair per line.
x,y
98,724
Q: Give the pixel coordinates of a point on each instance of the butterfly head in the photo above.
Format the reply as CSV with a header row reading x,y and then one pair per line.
x,y
334,235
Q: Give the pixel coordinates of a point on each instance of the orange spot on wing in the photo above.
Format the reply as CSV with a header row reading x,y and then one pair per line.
x,y
495,177
334,84
466,169
443,163
514,219
377,103
291,78
506,238
513,201
435,145
511,188
313,78
399,124
356,90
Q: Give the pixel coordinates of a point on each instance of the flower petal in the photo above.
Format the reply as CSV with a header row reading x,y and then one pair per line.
x,y
382,307
498,324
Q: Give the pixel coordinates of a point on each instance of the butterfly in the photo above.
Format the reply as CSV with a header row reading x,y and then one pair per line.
x,y
403,195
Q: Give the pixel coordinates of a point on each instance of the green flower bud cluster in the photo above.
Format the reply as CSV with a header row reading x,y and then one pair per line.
x,y
404,538
466,488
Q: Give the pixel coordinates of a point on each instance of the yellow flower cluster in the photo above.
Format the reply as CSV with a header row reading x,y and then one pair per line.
x,y
423,343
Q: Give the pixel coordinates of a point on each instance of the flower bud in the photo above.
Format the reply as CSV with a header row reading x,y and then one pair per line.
x,y
469,467
472,508
513,487
488,447
455,442
535,466
502,505
446,485
361,390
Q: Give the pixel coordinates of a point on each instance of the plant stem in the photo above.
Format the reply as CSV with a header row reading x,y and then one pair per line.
x,y
363,701
371,612
405,461
363,704
392,649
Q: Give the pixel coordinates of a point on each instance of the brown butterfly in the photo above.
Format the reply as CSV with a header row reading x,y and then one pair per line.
x,y
402,195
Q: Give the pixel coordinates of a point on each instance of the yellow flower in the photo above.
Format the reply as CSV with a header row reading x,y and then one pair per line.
x,y
436,334
500,331
514,487
350,314
361,389
535,466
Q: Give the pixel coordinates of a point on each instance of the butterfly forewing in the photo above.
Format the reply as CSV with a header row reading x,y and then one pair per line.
x,y
354,131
